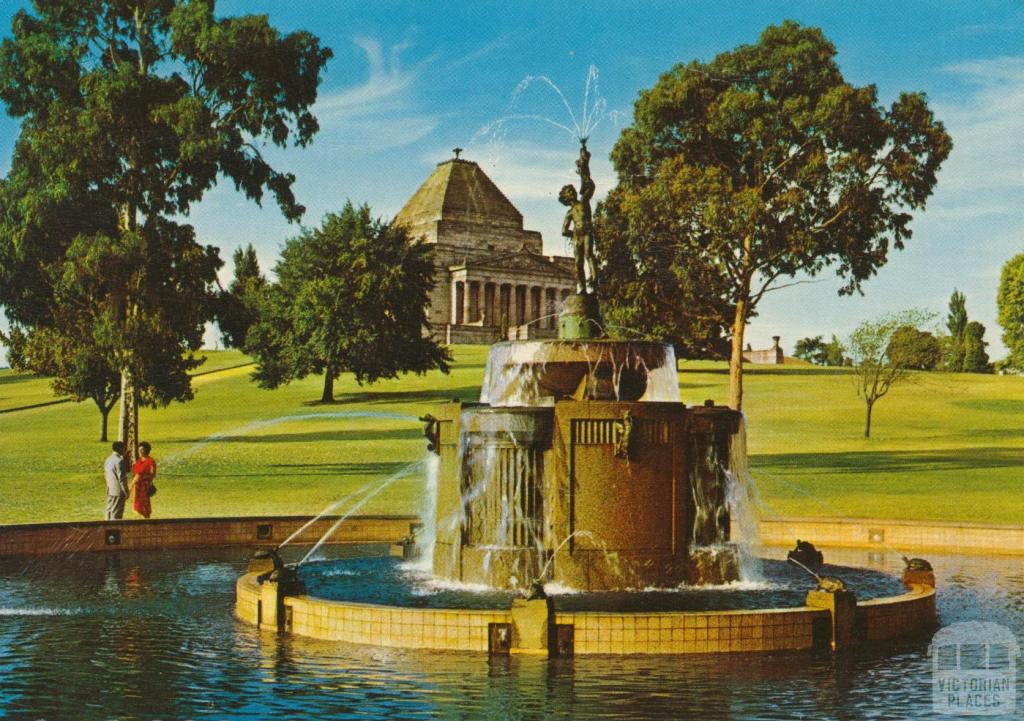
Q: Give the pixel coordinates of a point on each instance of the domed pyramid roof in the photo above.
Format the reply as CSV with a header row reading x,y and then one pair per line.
x,y
458,190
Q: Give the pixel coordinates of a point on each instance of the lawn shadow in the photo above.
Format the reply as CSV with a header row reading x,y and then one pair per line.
x,y
12,378
465,394
379,468
339,435
776,371
941,459
990,405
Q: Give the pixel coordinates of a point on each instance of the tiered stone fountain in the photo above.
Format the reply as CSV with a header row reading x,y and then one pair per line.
x,y
580,466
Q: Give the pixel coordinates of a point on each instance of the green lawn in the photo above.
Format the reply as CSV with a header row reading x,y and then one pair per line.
x,y
945,447
24,389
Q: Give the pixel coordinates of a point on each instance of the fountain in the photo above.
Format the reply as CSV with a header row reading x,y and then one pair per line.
x,y
581,507
580,466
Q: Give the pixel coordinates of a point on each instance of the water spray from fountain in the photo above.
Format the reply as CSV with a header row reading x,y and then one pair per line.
x,y
408,470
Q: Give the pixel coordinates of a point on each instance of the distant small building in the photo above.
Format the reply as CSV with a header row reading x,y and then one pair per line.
x,y
770,356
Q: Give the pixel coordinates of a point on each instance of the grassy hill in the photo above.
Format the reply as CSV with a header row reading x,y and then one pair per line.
x,y
944,447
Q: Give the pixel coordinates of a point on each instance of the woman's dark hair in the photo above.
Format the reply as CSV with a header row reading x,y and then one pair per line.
x,y
146,447
118,447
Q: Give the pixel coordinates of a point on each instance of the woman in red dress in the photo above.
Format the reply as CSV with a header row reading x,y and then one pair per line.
x,y
144,471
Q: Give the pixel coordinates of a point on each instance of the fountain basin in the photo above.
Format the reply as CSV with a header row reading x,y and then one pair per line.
x,y
539,373
718,620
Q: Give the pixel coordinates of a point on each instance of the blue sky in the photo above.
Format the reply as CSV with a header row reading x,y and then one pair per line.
x,y
411,80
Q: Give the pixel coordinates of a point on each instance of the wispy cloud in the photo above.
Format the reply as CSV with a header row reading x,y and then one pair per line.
x,y
986,120
482,51
377,114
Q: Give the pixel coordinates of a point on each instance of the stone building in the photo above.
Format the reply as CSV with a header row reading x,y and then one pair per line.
x,y
491,275
768,356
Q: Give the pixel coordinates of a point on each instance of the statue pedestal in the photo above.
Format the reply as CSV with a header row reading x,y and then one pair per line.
x,y
580,319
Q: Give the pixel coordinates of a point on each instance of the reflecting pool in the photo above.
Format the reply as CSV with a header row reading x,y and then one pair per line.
x,y
151,636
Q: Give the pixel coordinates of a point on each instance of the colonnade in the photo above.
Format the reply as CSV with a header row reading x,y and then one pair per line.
x,y
477,302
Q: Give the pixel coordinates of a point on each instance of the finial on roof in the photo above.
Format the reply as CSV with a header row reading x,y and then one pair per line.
x,y
457,151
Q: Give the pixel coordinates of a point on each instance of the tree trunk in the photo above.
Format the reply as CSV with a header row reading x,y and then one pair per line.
x,y
867,423
128,427
328,396
104,415
739,326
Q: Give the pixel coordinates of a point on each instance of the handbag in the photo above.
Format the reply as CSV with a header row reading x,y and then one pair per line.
x,y
152,490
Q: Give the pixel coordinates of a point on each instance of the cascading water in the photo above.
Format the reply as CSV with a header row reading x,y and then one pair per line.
x,y
428,516
744,506
539,373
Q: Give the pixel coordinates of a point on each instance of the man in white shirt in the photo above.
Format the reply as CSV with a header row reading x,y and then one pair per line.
x,y
117,487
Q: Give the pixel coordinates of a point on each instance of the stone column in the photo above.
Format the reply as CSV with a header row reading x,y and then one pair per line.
x,y
488,317
467,302
459,304
505,305
521,305
536,311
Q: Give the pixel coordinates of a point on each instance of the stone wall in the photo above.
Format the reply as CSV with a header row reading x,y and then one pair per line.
x,y
955,537
153,534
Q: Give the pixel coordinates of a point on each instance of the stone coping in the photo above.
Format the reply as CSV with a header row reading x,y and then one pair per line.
x,y
166,533
896,535
792,629
170,533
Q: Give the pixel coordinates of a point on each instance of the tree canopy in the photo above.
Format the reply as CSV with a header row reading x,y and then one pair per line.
x,y
351,296
130,111
975,356
956,324
238,306
764,164
914,349
1010,301
811,349
877,364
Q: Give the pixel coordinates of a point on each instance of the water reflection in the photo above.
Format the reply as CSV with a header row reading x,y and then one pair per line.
x,y
151,635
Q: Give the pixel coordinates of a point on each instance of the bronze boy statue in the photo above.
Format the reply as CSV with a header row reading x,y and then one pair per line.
x,y
578,223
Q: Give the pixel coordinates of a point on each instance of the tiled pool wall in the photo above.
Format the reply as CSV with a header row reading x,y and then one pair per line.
x,y
581,632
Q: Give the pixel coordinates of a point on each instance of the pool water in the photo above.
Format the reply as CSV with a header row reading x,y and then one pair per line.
x,y
152,636
388,581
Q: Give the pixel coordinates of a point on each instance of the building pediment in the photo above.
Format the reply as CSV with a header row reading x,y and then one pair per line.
x,y
521,261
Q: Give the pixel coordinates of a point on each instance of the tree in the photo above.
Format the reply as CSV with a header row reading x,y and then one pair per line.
x,y
640,294
876,370
764,164
811,350
237,307
79,367
130,110
351,296
956,323
835,353
1010,301
914,349
975,357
